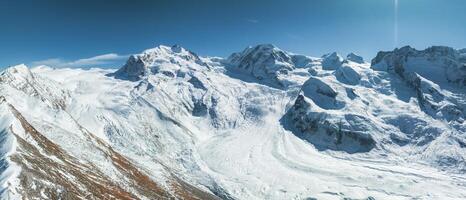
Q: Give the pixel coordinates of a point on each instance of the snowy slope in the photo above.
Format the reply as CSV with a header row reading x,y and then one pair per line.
x,y
261,124
8,169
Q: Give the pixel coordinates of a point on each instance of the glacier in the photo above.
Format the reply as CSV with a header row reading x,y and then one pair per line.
x,y
262,123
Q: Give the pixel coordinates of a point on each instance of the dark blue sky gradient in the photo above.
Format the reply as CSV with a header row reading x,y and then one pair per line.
x,y
69,30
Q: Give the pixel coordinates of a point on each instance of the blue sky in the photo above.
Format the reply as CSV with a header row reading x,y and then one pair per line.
x,y
82,33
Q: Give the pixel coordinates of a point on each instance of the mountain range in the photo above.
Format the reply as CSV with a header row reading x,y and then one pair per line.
x,y
262,123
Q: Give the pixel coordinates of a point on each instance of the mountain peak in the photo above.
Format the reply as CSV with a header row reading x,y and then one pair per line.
x,y
263,61
331,61
163,49
152,60
177,48
355,58
18,71
18,68
261,50
439,64
264,46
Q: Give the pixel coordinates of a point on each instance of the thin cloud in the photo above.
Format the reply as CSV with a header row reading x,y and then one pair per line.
x,y
254,21
105,59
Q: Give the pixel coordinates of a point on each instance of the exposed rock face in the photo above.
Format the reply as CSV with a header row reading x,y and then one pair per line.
x,y
40,159
321,93
66,172
49,171
432,99
318,115
331,61
426,72
438,64
301,61
355,58
350,133
347,74
135,68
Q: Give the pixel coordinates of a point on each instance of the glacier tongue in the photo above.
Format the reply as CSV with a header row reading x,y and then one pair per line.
x,y
261,124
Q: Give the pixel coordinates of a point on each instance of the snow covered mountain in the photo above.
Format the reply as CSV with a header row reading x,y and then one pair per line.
x,y
261,124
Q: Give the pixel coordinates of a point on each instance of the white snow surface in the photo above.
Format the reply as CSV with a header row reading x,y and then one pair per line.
x,y
225,125
8,170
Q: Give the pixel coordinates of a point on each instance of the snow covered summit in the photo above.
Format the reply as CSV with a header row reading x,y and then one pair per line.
x,y
331,61
438,63
355,58
161,59
267,63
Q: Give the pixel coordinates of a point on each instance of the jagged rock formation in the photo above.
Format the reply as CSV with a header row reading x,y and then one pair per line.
x,y
347,74
355,58
438,64
427,72
328,132
331,61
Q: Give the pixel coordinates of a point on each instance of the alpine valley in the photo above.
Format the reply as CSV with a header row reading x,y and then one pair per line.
x,y
261,124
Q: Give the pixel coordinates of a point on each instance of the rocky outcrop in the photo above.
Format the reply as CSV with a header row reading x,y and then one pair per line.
x,y
346,74
348,132
438,64
427,71
354,58
321,93
432,100
331,61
